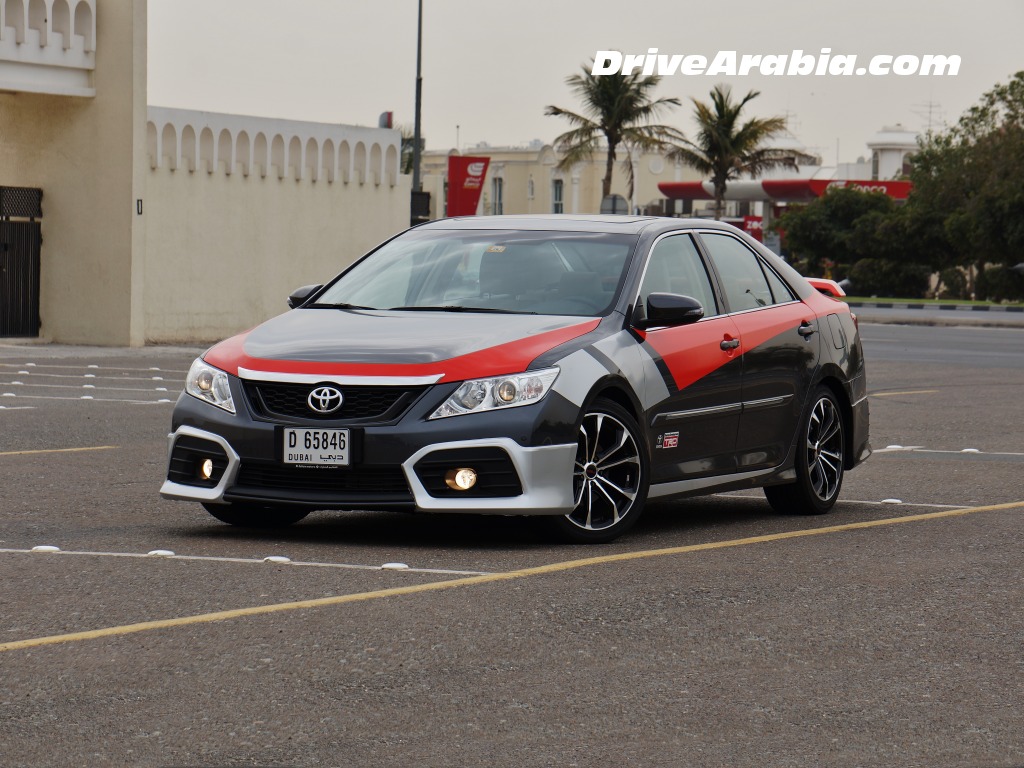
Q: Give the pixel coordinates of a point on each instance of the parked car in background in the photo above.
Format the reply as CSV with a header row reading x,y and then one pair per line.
x,y
565,366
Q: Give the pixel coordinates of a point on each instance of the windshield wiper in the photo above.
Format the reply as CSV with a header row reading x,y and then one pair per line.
x,y
339,305
460,308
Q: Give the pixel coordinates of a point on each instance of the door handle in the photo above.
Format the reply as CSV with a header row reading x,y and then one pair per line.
x,y
807,329
728,344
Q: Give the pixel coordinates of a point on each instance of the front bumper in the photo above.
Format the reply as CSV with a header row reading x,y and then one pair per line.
x,y
538,441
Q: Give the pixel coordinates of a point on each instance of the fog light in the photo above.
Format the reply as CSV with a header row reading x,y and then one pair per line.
x,y
460,479
206,469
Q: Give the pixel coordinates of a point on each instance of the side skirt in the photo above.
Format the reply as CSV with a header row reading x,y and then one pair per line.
x,y
734,481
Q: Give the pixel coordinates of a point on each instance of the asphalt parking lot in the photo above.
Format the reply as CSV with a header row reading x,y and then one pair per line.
x,y
716,633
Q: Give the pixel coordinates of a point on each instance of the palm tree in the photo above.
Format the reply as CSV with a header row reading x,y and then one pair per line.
x,y
725,149
618,108
408,143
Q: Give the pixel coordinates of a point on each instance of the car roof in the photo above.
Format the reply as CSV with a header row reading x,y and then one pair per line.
x,y
575,223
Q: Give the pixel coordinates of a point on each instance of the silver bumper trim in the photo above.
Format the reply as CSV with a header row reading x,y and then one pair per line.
x,y
215,495
545,473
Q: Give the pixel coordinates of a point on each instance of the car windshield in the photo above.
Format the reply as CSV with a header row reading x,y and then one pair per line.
x,y
547,273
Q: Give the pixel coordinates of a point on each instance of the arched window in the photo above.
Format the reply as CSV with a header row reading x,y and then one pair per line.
x,y
391,165
277,158
84,25
313,159
295,157
224,153
329,160
242,157
259,154
188,148
206,150
14,13
376,164
359,163
169,147
908,164
61,21
344,161
37,19
152,145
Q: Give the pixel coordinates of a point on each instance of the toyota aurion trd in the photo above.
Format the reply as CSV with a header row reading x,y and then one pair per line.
x,y
571,367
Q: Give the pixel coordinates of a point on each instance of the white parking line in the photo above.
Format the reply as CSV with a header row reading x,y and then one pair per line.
x,y
20,383
90,368
890,502
922,449
91,376
87,397
276,559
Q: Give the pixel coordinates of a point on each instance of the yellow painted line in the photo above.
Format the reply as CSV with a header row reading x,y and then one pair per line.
x,y
910,392
259,610
59,450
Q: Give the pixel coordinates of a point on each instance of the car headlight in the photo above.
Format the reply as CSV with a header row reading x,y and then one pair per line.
x,y
209,384
480,395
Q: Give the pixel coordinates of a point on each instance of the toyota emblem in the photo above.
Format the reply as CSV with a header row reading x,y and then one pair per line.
x,y
324,400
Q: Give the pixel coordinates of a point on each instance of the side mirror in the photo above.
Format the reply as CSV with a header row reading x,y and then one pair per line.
x,y
299,295
669,309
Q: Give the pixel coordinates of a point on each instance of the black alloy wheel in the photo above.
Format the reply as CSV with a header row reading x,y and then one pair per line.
x,y
610,476
820,461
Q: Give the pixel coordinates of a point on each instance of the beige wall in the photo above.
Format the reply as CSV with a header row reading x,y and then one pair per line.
x,y
223,252
211,253
85,155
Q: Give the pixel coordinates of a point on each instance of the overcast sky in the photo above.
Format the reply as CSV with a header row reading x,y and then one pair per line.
x,y
492,67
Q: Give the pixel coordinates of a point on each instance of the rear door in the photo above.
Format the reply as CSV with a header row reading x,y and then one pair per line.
x,y
779,336
692,432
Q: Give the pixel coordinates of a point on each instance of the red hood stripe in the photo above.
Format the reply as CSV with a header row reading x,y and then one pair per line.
x,y
512,357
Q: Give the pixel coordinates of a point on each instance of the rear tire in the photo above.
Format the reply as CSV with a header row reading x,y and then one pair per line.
x,y
256,515
819,462
610,476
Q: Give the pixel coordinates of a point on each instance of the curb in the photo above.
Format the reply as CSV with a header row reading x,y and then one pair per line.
x,y
949,307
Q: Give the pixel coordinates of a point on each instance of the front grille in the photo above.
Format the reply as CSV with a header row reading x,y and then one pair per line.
x,y
283,400
496,474
188,454
327,480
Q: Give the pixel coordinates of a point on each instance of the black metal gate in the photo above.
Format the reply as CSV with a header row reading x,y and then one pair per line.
x,y
20,242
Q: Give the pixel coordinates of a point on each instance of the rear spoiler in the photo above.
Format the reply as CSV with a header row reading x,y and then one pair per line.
x,y
828,287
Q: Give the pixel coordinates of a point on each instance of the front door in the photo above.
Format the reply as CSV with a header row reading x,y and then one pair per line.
x,y
692,432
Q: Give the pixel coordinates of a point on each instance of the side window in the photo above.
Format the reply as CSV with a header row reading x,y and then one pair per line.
x,y
743,281
675,266
780,291
557,190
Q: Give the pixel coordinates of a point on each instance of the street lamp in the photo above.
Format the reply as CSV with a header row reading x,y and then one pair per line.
x,y
419,97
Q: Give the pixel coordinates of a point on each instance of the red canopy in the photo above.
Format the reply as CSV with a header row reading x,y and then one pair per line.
x,y
779,190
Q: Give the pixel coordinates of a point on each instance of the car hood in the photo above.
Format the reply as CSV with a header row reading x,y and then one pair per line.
x,y
443,345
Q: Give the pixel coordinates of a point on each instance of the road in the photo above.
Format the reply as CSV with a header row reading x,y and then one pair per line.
x,y
716,633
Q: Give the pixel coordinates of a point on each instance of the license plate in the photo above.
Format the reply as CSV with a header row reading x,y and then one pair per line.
x,y
325,447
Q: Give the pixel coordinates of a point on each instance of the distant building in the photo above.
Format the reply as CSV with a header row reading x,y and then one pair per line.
x,y
527,180
753,203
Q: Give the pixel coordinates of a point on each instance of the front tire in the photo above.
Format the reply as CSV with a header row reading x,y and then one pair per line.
x,y
610,476
256,515
821,453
